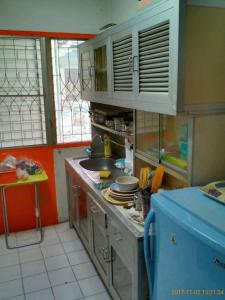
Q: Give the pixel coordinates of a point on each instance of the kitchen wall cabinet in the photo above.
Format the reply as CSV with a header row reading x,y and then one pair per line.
x,y
159,61
189,146
113,247
95,71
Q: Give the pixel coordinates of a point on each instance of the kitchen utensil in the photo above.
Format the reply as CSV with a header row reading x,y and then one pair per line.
x,y
157,179
115,188
127,183
144,177
111,200
121,194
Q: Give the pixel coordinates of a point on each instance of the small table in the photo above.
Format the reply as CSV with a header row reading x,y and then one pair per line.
x,y
33,179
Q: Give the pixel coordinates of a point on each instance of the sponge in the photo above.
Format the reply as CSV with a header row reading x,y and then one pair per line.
x,y
105,174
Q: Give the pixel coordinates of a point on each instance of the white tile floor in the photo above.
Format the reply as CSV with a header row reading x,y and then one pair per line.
x,y
59,268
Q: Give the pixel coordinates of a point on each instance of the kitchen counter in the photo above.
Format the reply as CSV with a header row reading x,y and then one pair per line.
x,y
114,243
119,211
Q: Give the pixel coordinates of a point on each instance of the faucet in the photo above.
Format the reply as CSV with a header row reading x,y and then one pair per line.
x,y
97,148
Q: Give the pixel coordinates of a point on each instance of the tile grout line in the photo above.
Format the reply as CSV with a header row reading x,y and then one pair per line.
x,y
47,271
71,266
61,243
21,274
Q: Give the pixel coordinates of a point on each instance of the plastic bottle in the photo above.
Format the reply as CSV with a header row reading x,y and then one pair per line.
x,y
107,146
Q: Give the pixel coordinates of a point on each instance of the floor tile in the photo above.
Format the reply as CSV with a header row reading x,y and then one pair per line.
x,y
78,257
11,289
33,268
23,245
52,250
91,286
62,276
30,255
3,249
49,232
9,259
75,245
101,296
67,236
49,228
9,273
27,235
36,283
62,227
50,240
84,270
70,291
57,262
40,295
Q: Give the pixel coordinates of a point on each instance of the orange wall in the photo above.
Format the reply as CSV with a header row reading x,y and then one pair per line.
x,y
20,200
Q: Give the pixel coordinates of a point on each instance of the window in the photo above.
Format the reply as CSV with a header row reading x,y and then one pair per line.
x,y
22,118
72,113
24,109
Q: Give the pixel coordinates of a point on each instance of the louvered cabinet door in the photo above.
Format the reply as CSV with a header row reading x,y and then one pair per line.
x,y
122,68
156,85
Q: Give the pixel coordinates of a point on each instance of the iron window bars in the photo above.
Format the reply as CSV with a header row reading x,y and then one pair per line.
x,y
28,115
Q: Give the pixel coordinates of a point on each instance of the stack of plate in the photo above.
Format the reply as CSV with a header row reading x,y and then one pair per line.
x,y
115,192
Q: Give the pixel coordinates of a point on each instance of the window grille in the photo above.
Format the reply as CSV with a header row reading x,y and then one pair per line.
x,y
22,118
72,113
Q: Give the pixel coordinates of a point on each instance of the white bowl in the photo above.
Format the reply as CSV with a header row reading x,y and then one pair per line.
x,y
127,183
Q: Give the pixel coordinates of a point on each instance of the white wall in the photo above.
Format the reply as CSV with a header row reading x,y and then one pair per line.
x,y
78,16
122,10
60,178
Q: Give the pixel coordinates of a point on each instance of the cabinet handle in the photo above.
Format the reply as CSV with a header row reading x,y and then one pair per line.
x,y
75,187
135,57
130,61
76,190
91,71
94,209
118,237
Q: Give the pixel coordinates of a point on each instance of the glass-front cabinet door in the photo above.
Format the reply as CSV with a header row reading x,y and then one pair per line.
x,y
121,276
100,69
83,214
147,134
174,141
99,238
86,70
100,246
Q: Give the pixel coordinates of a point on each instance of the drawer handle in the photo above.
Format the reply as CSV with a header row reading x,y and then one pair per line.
x,y
94,210
76,190
118,237
75,187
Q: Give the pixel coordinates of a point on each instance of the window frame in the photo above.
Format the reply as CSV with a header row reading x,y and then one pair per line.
x,y
48,84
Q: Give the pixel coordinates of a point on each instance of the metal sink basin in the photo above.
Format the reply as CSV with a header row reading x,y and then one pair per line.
x,y
98,164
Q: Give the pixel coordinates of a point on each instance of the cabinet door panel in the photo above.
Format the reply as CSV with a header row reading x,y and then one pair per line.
x,y
121,276
122,68
99,235
102,83
100,246
157,51
86,70
83,214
